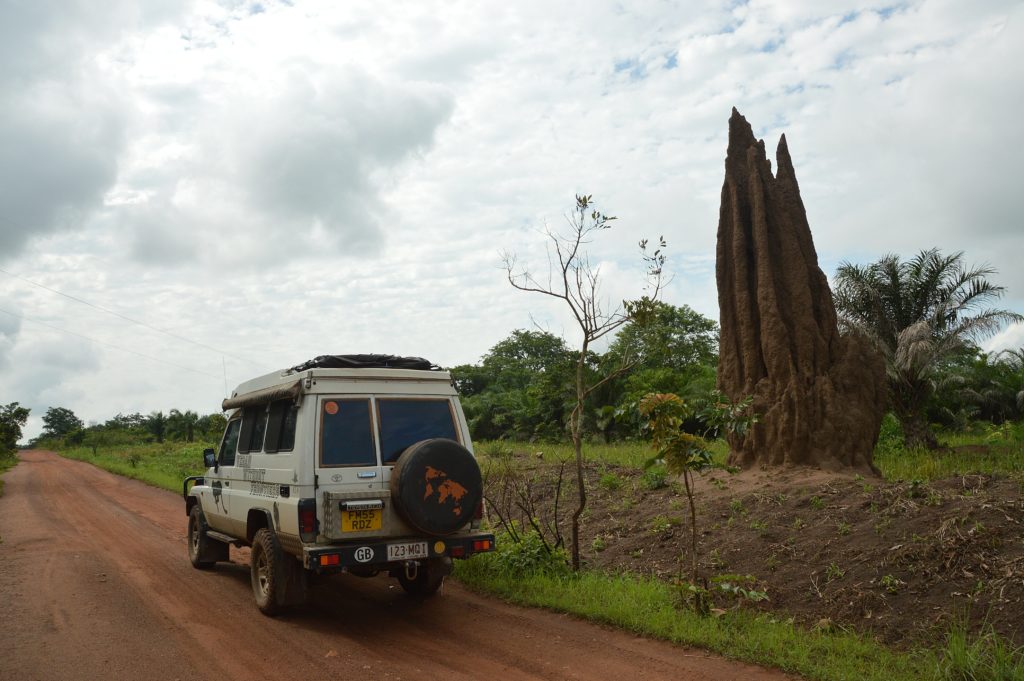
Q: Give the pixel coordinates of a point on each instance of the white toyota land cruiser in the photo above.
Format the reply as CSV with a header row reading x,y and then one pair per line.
x,y
347,463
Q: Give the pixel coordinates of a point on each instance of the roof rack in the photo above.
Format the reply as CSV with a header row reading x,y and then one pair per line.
x,y
365,362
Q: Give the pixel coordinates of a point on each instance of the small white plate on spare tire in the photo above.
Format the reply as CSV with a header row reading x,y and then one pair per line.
x,y
407,551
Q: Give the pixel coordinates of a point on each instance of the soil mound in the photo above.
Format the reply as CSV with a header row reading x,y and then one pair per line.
x,y
819,396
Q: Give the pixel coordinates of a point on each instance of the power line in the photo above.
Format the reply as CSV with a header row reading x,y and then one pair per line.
x,y
129,319
109,345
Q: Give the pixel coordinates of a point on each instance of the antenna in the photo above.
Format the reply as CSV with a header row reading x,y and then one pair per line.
x,y
224,364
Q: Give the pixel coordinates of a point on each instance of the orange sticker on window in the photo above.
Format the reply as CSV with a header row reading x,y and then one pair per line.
x,y
331,408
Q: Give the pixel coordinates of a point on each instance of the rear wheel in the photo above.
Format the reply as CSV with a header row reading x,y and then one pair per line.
x,y
198,542
266,571
426,580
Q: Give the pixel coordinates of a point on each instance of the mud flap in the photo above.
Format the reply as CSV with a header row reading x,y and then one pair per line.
x,y
295,585
213,550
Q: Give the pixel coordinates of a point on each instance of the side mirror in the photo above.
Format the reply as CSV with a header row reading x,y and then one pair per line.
x,y
210,458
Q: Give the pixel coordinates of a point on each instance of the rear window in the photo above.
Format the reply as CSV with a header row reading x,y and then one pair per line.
x,y
406,422
346,434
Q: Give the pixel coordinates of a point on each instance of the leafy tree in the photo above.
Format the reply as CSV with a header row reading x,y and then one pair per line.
x,y
156,424
12,420
918,313
59,422
973,385
518,389
671,337
574,281
211,426
134,421
1014,359
182,425
675,350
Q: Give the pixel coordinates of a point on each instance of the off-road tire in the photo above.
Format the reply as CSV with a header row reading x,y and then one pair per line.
x,y
198,542
429,580
267,572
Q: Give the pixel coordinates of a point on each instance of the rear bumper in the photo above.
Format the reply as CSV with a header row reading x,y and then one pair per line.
x,y
374,554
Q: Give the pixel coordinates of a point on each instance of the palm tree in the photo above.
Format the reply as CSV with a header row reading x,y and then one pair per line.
x,y
918,313
1015,358
182,425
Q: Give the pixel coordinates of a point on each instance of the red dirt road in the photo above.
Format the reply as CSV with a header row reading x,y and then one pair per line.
x,y
95,584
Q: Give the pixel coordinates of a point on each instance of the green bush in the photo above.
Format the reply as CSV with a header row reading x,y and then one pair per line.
x,y
890,438
654,478
527,556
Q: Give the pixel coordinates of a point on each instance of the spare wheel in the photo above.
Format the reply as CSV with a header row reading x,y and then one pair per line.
x,y
436,486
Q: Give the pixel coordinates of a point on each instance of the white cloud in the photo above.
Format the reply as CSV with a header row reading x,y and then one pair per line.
x,y
1010,338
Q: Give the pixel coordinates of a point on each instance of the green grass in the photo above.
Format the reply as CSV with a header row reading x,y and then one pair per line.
x,y
6,462
631,454
161,465
1004,457
647,606
985,656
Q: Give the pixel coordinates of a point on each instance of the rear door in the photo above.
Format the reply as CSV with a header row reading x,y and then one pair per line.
x,y
347,458
348,468
404,421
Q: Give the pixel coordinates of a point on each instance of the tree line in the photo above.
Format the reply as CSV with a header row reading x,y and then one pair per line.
x,y
62,427
925,315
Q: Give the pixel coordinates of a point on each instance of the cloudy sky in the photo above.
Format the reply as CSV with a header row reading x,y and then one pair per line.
x,y
194,193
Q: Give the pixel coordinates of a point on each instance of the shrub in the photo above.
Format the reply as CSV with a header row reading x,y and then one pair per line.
x,y
654,478
610,481
527,556
890,438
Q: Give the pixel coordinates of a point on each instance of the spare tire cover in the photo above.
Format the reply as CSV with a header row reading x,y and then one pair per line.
x,y
436,486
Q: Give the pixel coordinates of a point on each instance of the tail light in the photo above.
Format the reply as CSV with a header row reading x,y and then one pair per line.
x,y
308,525
327,560
482,545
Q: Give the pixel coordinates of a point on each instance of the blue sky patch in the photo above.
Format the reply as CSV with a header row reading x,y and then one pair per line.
x,y
633,66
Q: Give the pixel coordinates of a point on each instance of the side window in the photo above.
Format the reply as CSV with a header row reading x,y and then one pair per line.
x,y
281,427
346,435
230,443
254,425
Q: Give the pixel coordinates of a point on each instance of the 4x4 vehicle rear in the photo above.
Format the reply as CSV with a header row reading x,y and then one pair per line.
x,y
347,463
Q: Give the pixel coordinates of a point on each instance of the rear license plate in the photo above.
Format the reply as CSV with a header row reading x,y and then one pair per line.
x,y
408,551
361,521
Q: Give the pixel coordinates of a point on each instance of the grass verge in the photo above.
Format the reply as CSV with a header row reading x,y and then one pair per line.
x,y
963,455
648,606
629,453
6,463
161,465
